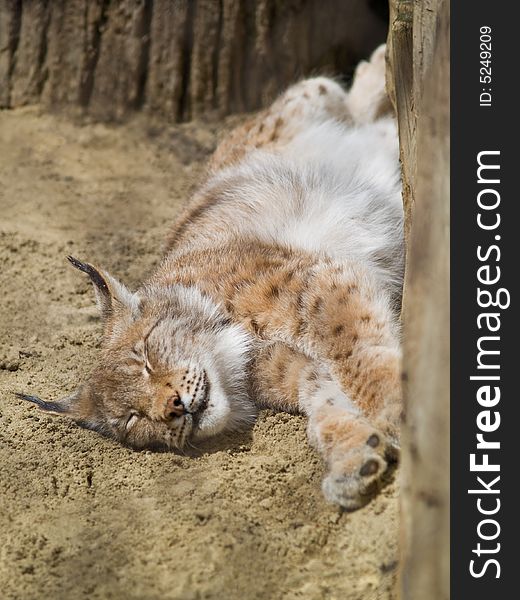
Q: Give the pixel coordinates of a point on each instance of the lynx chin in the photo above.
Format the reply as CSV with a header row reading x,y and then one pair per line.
x,y
280,288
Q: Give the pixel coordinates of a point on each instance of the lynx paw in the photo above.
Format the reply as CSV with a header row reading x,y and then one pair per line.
x,y
370,75
367,99
357,476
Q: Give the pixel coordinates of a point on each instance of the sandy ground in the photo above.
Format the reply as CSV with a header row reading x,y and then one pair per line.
x,y
82,517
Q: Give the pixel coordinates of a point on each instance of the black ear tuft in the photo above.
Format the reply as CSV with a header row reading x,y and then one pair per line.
x,y
93,273
54,407
111,295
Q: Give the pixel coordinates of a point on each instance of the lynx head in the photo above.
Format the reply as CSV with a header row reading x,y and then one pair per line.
x,y
172,368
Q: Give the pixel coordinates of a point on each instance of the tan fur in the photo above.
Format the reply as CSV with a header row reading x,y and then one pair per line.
x,y
276,126
311,306
315,307
320,337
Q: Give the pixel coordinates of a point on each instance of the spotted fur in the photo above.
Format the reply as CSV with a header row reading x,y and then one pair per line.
x,y
280,288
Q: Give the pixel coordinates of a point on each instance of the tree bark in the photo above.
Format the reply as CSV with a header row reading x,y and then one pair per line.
x,y
419,81
178,59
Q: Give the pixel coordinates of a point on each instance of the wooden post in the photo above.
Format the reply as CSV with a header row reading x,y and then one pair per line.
x,y
175,59
419,78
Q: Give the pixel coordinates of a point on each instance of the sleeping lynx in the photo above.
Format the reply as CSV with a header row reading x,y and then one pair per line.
x,y
280,288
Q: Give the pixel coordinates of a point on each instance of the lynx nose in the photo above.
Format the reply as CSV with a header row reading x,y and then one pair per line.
x,y
174,407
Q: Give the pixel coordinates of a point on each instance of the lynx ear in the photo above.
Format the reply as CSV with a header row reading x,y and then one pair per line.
x,y
80,406
110,293
68,406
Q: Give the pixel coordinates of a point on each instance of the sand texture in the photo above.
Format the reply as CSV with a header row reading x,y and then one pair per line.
x,y
82,517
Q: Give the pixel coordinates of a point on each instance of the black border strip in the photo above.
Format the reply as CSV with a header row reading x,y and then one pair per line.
x,y
476,129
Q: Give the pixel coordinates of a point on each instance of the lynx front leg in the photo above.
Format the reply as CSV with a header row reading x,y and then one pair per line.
x,y
358,456
349,322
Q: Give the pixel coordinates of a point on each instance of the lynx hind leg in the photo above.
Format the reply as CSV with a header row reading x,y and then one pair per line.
x,y
367,99
307,102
